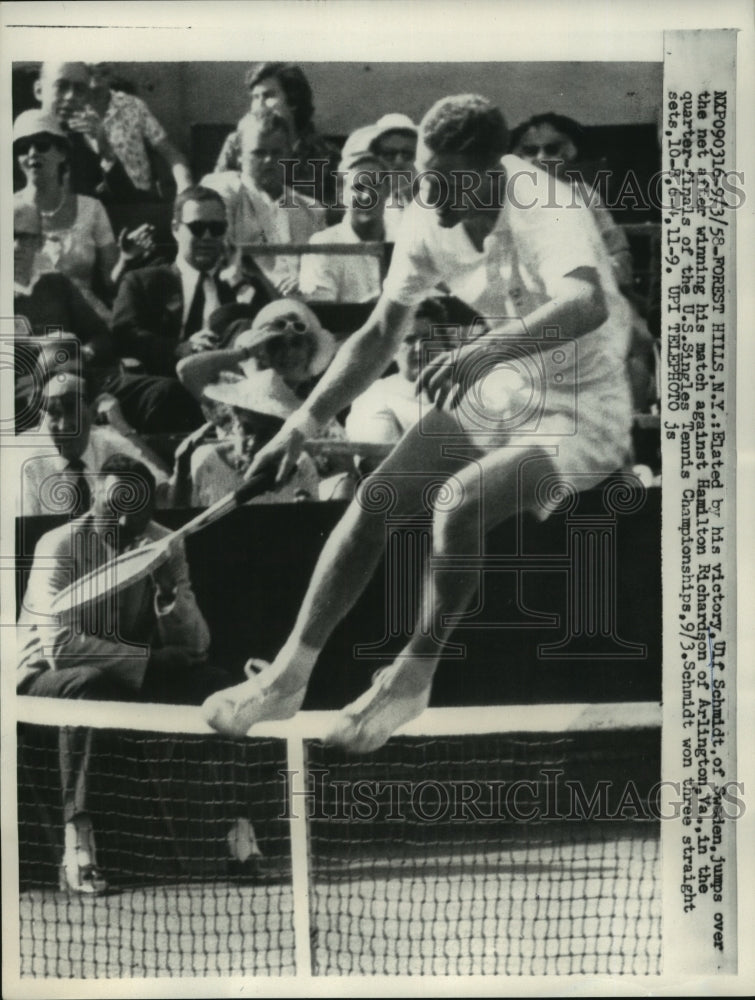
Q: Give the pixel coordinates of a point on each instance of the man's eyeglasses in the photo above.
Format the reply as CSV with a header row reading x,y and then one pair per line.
x,y
42,144
215,228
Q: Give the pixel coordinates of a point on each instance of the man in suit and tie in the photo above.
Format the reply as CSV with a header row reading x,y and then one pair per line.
x,y
161,312
56,462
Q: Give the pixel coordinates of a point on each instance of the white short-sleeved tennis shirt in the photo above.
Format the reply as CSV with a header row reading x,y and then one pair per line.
x,y
571,393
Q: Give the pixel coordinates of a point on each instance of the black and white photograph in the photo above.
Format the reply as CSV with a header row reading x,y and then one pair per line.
x,y
366,633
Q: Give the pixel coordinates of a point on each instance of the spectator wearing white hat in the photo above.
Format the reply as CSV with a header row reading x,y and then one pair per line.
x,y
260,403
347,277
78,238
285,335
287,338
395,142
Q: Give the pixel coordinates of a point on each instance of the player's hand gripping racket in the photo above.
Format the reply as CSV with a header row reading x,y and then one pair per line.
x,y
134,565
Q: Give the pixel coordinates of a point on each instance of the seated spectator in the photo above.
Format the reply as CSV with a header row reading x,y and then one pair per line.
x,y
261,208
78,239
132,404
63,90
391,405
133,132
159,653
160,312
286,337
259,404
346,278
395,142
553,143
49,301
56,461
38,359
283,88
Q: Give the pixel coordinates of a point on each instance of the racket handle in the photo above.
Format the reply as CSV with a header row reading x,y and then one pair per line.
x,y
259,483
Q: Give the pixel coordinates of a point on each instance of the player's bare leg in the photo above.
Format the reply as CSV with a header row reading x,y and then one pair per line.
x,y
345,566
491,489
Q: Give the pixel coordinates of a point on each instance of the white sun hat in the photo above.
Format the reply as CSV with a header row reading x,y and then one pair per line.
x,y
269,323
35,121
260,392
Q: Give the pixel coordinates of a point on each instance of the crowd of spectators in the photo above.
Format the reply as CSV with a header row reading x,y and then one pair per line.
x,y
175,350
169,337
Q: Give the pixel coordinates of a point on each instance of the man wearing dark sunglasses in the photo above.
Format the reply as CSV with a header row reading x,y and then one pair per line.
x,y
161,313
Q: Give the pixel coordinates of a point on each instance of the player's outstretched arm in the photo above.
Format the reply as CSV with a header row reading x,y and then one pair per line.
x,y
360,360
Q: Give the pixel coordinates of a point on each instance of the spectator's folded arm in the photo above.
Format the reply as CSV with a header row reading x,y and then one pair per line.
x,y
133,337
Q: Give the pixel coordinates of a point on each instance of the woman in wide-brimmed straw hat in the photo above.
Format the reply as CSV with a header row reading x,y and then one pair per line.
x,y
285,337
258,404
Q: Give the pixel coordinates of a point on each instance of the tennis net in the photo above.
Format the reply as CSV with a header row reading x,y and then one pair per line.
x,y
457,849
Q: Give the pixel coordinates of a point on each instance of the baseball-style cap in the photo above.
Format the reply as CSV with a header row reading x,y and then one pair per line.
x,y
394,122
357,150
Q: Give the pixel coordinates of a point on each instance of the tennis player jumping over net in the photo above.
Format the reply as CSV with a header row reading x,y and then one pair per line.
x,y
536,404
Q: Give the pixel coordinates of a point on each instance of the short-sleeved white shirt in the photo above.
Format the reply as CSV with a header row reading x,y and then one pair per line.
x,y
572,395
255,217
537,240
339,277
385,410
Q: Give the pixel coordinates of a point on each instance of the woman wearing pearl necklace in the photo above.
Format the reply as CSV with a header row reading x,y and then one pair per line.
x,y
78,238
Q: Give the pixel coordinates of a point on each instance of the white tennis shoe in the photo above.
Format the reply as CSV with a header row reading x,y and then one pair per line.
x,y
235,710
370,721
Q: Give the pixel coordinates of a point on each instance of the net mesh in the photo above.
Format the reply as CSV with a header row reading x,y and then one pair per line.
x,y
510,854
181,901
507,855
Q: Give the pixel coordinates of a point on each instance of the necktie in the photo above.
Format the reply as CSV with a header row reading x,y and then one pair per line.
x,y
81,498
195,317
